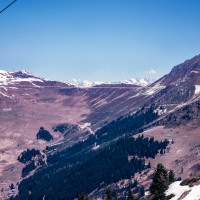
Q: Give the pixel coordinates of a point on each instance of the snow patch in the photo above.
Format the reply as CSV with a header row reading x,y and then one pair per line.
x,y
5,95
3,72
195,71
35,85
6,109
197,89
83,126
26,80
160,111
194,194
95,147
176,189
156,88
56,144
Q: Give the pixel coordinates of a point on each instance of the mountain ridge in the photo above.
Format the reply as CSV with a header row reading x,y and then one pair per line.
x,y
22,75
132,81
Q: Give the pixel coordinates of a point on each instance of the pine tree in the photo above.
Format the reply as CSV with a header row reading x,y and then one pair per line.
x,y
11,186
161,152
108,194
86,197
130,195
149,165
83,197
142,191
171,176
160,183
116,196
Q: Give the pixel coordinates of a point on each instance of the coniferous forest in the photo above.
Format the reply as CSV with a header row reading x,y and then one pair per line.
x,y
67,175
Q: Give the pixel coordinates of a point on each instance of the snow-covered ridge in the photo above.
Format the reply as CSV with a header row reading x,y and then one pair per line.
x,y
12,78
133,81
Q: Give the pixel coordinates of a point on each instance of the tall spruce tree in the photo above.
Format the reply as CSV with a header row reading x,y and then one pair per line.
x,y
171,176
160,183
108,194
116,197
83,197
142,191
130,195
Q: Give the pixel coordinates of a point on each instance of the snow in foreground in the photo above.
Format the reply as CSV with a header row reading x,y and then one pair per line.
x,y
176,189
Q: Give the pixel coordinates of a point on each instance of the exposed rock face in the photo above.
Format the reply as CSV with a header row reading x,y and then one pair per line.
x,y
188,71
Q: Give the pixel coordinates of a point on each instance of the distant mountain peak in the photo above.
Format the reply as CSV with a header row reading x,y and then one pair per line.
x,y
138,81
85,83
132,81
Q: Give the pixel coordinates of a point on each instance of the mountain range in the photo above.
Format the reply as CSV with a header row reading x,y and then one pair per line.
x,y
88,120
12,78
132,81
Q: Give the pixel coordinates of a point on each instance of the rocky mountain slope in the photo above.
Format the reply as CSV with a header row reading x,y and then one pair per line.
x,y
93,117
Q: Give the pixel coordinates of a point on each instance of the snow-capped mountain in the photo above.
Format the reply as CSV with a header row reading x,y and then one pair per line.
x,y
11,78
23,78
138,81
132,81
85,83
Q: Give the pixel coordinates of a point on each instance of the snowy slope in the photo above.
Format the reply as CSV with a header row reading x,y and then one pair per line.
x,y
184,192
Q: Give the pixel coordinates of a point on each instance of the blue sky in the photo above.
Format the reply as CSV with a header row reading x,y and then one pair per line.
x,y
105,40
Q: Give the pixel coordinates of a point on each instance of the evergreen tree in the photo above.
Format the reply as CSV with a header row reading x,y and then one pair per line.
x,y
160,183
11,186
142,191
83,197
161,152
135,183
149,165
171,176
44,135
116,196
86,197
108,194
130,195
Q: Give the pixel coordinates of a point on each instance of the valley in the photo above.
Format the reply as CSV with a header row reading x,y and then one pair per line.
x,y
86,122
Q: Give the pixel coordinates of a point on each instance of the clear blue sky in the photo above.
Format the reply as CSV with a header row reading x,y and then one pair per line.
x,y
98,39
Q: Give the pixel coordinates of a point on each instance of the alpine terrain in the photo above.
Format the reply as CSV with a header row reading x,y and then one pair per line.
x,y
133,139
